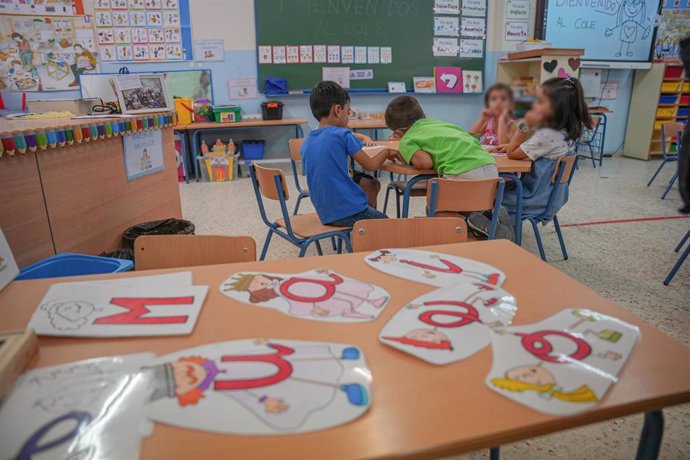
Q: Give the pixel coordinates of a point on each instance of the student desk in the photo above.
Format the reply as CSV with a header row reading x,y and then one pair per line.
x,y
374,125
506,167
194,131
418,410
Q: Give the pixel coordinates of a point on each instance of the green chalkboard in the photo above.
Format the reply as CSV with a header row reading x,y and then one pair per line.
x,y
407,26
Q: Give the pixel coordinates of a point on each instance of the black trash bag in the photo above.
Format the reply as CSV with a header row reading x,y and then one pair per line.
x,y
124,254
157,227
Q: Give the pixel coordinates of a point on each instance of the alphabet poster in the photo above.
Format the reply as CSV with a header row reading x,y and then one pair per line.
x,y
122,309
562,365
253,387
81,410
451,323
433,268
320,295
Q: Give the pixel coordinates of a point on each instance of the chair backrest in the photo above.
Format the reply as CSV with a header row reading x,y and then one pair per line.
x,y
567,164
370,235
265,178
295,146
169,251
668,132
462,195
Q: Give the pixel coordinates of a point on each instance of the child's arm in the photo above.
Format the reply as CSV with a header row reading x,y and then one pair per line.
x,y
514,150
374,163
368,142
479,126
506,128
422,160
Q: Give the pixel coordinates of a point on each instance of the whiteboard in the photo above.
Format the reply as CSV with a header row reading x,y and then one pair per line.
x,y
608,30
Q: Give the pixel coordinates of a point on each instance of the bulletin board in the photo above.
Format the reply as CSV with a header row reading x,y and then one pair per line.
x,y
385,41
673,27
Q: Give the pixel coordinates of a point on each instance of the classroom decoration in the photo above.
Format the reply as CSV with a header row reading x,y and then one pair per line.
x,y
433,268
451,323
45,53
33,140
252,387
320,295
562,365
673,27
42,7
373,36
143,30
8,266
448,79
85,409
209,50
219,162
143,153
622,30
129,307
141,93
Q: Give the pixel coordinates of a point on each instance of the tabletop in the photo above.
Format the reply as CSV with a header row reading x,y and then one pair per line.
x,y
367,124
242,124
418,409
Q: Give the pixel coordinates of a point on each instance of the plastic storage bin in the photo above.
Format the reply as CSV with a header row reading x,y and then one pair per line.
x,y
253,150
658,123
673,71
665,112
686,87
670,87
272,110
684,99
68,264
682,112
227,114
668,99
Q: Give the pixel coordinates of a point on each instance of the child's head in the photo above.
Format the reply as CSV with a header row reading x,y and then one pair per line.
x,y
561,104
499,98
401,114
329,100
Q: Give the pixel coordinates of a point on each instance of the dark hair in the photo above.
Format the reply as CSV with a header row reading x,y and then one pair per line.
x,y
324,96
570,111
498,87
402,112
17,35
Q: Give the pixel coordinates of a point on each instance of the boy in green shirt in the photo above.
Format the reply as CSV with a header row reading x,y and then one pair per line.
x,y
427,143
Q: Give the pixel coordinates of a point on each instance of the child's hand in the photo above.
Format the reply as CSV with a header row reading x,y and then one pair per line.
x,y
502,148
368,141
395,156
533,119
505,115
487,113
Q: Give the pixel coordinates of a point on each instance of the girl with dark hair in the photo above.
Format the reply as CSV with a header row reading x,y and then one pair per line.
x,y
496,124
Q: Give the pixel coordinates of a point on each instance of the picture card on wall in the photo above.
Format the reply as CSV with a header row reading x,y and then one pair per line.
x,y
94,408
471,48
424,84
320,54
320,295
292,54
107,53
447,6
446,26
8,266
448,79
373,55
265,54
207,50
360,54
434,268
112,311
517,9
340,75
516,31
450,324
306,54
334,54
445,47
279,55
124,52
472,81
261,387
474,8
473,27
347,54
562,365
386,55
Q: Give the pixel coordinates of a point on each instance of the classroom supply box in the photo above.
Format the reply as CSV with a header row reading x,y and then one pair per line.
x,y
68,264
253,150
272,110
227,113
184,109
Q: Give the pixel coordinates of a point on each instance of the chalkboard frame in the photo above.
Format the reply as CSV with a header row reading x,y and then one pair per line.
x,y
376,90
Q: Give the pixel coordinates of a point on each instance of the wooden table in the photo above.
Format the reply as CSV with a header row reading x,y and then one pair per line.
x,y
193,132
418,410
507,168
374,125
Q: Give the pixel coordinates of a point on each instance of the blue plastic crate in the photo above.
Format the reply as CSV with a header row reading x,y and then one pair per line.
x,y
253,150
68,264
682,112
668,99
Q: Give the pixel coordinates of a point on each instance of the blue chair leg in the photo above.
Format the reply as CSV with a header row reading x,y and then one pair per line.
x,y
656,173
266,244
340,245
591,154
318,248
680,260
560,237
397,204
682,242
385,201
299,200
670,184
333,243
537,236
303,248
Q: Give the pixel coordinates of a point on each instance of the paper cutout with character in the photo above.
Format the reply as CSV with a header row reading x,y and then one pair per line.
x,y
8,266
433,268
562,365
320,295
451,323
260,387
102,310
81,410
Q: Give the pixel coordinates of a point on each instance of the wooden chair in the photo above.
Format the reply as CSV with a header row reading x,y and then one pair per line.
x,y
169,251
450,195
398,186
301,230
295,146
370,235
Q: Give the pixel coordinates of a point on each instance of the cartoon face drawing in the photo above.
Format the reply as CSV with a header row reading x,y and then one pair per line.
x,y
69,315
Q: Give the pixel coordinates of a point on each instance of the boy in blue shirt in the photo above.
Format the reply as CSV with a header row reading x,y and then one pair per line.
x,y
338,200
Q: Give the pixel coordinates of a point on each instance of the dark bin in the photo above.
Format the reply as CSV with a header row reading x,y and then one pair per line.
x,y
157,227
272,110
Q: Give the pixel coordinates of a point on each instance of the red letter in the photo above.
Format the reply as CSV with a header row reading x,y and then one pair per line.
x,y
137,309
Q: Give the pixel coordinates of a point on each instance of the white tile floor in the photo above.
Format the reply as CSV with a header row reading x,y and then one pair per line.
x,y
626,262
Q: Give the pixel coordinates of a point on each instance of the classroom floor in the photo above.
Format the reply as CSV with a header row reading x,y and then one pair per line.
x,y
626,262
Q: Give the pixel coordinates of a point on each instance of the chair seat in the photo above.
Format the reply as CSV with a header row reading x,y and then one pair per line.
x,y
307,225
418,189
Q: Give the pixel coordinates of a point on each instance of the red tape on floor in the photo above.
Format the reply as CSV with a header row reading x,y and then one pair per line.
x,y
625,221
